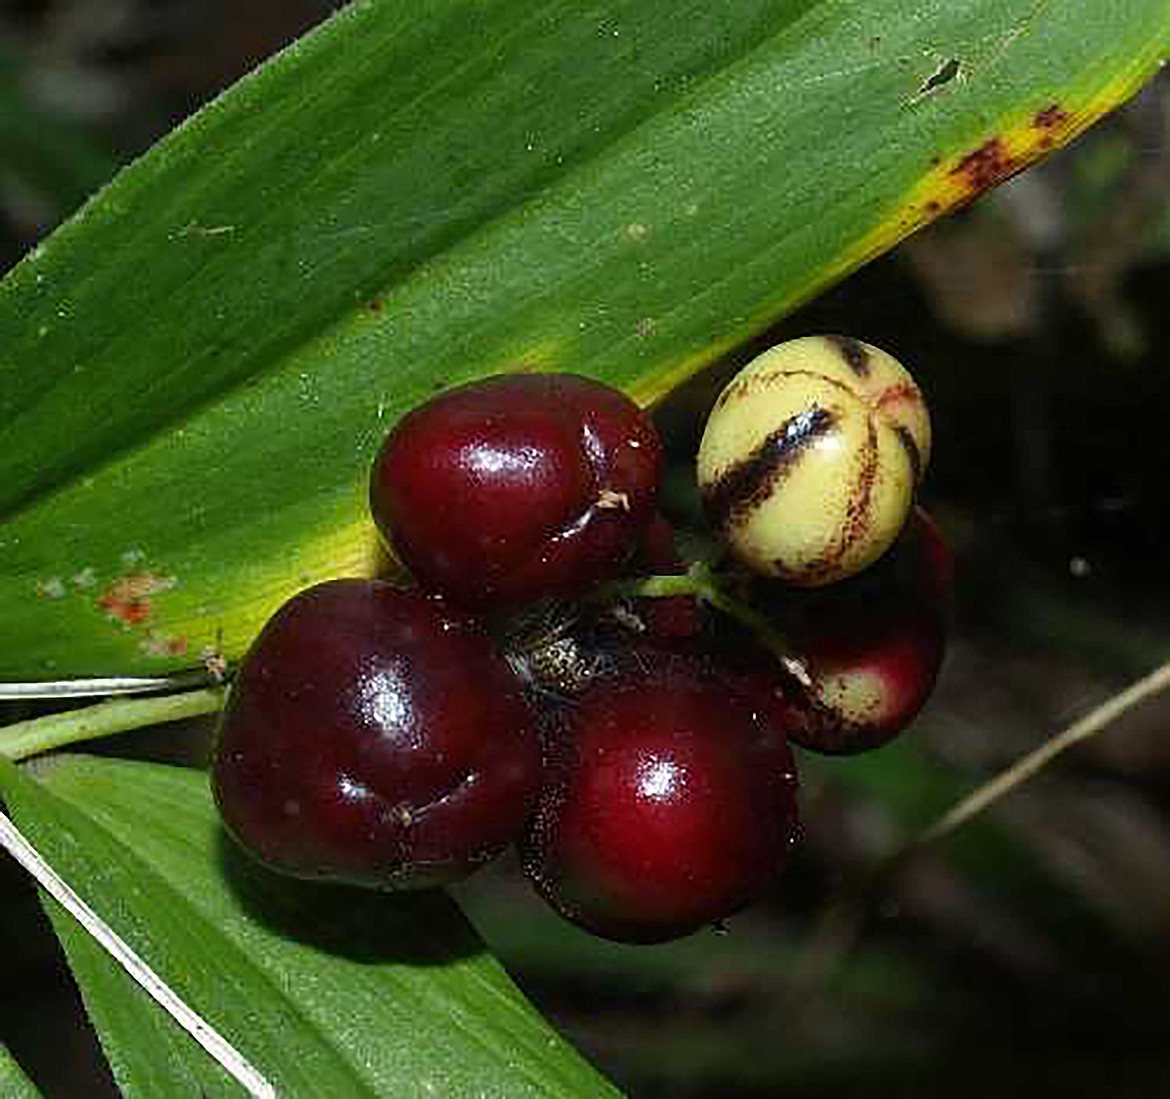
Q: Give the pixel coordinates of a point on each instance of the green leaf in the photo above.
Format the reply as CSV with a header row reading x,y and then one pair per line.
x,y
195,372
13,1082
325,991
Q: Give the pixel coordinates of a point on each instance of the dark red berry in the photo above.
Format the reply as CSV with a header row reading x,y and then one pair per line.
x,y
374,737
667,806
516,488
872,646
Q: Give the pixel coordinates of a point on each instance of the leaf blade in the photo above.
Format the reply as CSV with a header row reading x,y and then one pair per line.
x,y
464,193
335,1011
13,1082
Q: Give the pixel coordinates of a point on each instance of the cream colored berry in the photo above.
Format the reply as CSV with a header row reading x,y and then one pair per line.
x,y
810,458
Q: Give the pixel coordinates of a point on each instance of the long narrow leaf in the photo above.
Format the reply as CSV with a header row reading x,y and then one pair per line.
x,y
13,1082
195,371
326,992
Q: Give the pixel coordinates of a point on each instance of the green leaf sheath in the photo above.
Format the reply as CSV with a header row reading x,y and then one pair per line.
x,y
196,370
325,991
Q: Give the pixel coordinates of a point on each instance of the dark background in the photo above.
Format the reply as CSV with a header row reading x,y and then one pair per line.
x,y
1028,951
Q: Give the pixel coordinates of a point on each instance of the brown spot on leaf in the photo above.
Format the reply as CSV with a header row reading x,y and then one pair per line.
x,y
128,599
156,644
1050,121
1051,118
983,168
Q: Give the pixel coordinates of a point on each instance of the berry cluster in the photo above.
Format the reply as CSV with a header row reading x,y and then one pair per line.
x,y
538,686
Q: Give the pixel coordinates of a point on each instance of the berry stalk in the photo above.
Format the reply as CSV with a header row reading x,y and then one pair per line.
x,y
704,582
29,738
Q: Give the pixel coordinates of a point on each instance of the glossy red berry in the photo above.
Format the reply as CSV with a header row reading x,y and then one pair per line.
x,y
872,646
374,737
668,805
517,487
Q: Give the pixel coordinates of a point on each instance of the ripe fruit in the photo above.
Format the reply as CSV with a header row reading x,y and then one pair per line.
x,y
516,488
374,737
809,461
873,647
669,803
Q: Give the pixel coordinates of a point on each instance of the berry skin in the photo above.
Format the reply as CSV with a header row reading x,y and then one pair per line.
x,y
517,487
376,738
669,805
809,461
873,647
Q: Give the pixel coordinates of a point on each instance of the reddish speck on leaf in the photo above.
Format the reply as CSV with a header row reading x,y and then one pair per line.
x,y
983,168
156,644
1050,118
128,599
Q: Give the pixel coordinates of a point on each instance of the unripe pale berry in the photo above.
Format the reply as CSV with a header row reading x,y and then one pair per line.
x,y
810,458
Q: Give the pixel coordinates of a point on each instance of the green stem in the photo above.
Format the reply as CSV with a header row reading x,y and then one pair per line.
x,y
703,582
122,715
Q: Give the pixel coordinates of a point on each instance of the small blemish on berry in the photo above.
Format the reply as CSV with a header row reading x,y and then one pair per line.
x,y
854,353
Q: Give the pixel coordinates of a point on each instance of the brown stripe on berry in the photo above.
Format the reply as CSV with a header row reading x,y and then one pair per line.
x,y
753,383
858,512
910,445
747,484
896,394
854,352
